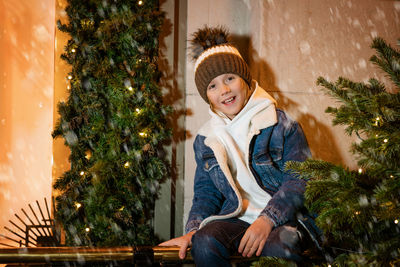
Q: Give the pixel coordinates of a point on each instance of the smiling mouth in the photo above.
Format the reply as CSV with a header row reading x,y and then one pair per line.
x,y
229,100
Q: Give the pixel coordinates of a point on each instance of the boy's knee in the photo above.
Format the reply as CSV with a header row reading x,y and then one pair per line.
x,y
204,243
209,234
289,236
283,243
208,251
203,239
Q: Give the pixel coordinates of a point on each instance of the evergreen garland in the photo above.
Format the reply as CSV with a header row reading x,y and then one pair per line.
x,y
114,123
359,210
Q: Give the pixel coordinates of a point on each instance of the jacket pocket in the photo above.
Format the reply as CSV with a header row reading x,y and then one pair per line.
x,y
211,166
268,166
276,156
210,162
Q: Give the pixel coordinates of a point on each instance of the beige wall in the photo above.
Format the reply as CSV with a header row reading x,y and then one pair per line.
x,y
26,105
289,44
299,42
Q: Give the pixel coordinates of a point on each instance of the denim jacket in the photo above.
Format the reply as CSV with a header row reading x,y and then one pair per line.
x,y
216,198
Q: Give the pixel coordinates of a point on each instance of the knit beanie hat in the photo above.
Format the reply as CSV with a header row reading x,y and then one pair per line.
x,y
214,54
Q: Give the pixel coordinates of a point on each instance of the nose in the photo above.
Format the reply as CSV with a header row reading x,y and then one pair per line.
x,y
225,89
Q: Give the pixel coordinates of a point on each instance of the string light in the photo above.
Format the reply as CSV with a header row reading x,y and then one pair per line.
x,y
73,50
78,205
143,134
69,77
357,213
122,208
138,110
385,140
140,2
130,88
391,176
126,165
360,170
87,229
396,221
68,87
88,154
82,173
377,121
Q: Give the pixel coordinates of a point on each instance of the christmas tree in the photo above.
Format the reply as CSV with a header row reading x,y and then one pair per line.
x,y
114,123
359,210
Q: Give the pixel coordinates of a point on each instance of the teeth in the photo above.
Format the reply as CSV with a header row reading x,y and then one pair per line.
x,y
229,100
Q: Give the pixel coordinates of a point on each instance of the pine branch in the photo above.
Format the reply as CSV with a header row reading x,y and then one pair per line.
x,y
388,59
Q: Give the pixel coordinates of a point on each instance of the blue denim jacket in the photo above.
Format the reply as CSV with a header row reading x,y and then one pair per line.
x,y
269,151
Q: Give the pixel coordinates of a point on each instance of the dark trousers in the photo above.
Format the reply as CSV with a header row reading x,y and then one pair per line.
x,y
213,244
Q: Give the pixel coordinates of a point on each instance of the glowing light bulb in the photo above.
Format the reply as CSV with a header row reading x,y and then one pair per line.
x,y
88,154
385,140
142,134
396,221
69,77
130,88
377,118
78,205
357,213
140,2
360,170
391,176
126,165
82,173
68,87
138,110
73,50
87,229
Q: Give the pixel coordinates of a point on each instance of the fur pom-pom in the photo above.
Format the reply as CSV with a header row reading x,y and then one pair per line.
x,y
207,37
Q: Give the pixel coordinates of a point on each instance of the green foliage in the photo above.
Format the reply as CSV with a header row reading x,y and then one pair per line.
x,y
359,210
273,262
114,123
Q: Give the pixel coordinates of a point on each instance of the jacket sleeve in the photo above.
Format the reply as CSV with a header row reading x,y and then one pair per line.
x,y
289,198
207,199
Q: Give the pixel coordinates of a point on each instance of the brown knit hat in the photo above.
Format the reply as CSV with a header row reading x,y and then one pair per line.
x,y
215,55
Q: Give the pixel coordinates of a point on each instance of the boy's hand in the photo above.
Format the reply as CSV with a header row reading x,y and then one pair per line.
x,y
255,237
183,242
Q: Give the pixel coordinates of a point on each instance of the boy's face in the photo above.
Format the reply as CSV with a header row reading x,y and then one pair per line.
x,y
227,93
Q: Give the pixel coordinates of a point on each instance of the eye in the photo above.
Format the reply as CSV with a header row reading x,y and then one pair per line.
x,y
230,78
211,86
